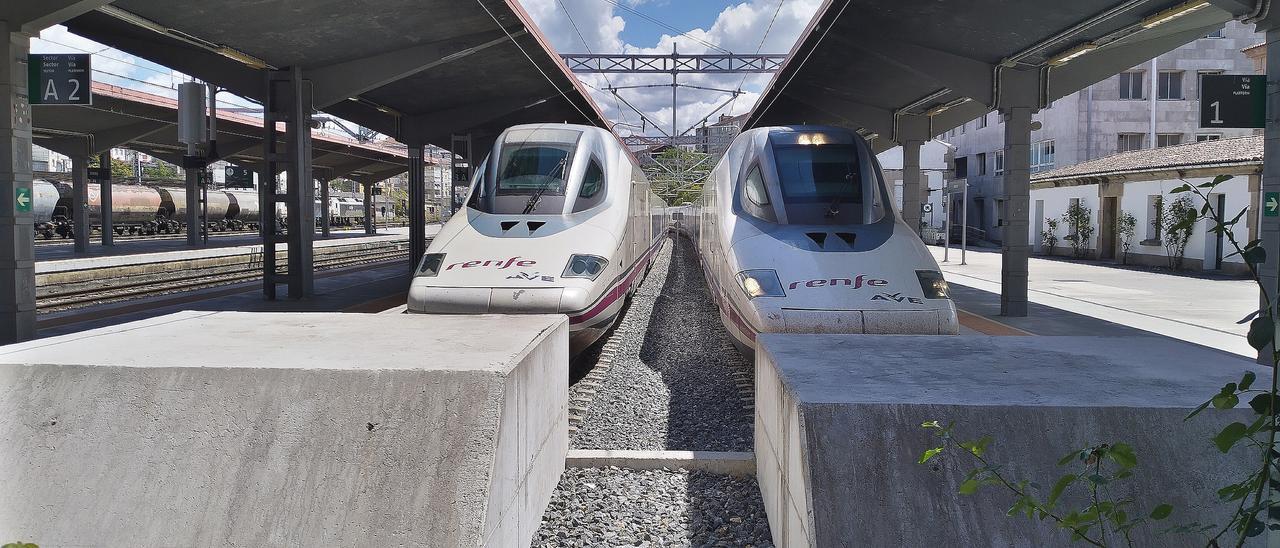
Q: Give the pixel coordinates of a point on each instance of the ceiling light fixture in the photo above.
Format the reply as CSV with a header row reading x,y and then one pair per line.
x,y
1077,51
1173,13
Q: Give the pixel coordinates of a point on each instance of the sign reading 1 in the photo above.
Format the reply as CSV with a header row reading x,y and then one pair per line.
x,y
1233,100
59,79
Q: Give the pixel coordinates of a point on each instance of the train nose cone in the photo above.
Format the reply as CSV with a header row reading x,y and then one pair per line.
x,y
482,300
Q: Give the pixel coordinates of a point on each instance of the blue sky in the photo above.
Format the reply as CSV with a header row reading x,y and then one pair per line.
x,y
682,14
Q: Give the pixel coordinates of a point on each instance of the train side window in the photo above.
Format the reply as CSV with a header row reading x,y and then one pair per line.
x,y
589,194
755,197
754,189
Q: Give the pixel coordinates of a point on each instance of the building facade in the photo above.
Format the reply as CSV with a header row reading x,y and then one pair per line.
x,y
1128,111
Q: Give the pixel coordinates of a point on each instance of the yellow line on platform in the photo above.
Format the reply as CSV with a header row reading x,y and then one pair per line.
x,y
988,326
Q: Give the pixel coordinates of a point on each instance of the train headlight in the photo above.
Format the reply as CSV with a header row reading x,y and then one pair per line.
x,y
760,283
584,266
430,265
933,285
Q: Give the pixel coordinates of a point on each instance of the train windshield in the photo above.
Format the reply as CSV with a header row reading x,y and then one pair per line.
x,y
531,175
826,183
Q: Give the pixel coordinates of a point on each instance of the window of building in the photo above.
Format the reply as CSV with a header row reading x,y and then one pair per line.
x,y
1215,34
981,160
999,162
1200,79
1168,139
1042,156
1129,141
961,167
1201,137
1170,85
982,121
999,212
1154,204
962,127
1131,85
1071,229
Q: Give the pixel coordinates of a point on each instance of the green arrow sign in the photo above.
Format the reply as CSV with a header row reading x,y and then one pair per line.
x,y
22,198
1271,204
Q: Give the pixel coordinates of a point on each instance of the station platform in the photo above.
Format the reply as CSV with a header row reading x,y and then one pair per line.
x,y
218,244
360,290
207,429
1080,298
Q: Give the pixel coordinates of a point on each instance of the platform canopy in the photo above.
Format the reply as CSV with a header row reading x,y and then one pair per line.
x,y
912,69
144,122
416,70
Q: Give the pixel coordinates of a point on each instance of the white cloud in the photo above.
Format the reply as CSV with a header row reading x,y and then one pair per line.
x,y
738,28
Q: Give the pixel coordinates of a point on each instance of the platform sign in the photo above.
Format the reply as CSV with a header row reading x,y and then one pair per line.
x,y
59,79
99,174
376,191
237,177
22,199
1271,204
1233,101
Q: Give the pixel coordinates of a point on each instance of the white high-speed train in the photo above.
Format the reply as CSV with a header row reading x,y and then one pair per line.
x,y
560,220
797,233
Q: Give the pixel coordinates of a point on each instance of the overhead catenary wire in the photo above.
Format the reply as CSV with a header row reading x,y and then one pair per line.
x,y
573,23
528,57
779,89
759,46
667,26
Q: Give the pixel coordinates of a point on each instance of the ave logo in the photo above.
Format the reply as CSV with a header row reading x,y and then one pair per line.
x,y
531,277
897,298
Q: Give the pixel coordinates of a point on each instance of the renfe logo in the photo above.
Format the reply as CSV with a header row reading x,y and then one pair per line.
x,y
501,264
857,283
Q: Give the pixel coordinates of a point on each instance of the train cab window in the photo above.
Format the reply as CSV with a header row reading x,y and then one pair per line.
x,y
591,192
755,196
527,173
824,184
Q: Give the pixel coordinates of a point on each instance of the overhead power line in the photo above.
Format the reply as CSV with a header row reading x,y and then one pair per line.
x,y
667,26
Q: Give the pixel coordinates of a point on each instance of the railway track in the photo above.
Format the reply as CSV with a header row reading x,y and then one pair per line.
x,y
181,235
115,284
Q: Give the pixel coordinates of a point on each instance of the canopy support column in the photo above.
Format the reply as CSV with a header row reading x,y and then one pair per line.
x,y
17,222
104,198
1016,246
325,214
368,207
911,184
80,201
289,101
417,206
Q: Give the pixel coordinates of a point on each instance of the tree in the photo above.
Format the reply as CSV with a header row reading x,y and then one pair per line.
x,y
162,170
120,169
1049,236
1126,227
1080,219
1177,221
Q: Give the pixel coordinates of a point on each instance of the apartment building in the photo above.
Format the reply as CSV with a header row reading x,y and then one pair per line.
x,y
1151,105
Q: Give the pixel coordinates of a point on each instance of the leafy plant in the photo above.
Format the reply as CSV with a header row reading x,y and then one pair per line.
x,y
1049,236
1097,469
1103,521
1080,219
19,544
1177,221
1126,227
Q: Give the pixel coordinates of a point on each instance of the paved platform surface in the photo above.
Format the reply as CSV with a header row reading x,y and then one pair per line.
x,y
60,252
363,289
235,429
1084,299
837,439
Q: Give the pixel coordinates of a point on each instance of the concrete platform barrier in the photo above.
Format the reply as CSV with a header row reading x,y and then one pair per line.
x,y
240,429
837,432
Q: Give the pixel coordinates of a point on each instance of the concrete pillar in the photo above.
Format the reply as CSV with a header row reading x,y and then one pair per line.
x,y
80,201
1270,229
368,208
911,192
104,198
324,207
17,223
193,207
1016,249
289,100
417,206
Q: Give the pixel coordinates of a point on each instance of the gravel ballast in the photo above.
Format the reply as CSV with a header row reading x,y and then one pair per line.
x,y
672,383
617,507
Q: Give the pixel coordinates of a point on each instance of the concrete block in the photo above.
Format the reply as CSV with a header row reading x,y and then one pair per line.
x,y
838,434
240,429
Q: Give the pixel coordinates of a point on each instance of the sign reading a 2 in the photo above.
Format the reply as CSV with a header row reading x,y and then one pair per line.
x,y
59,78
